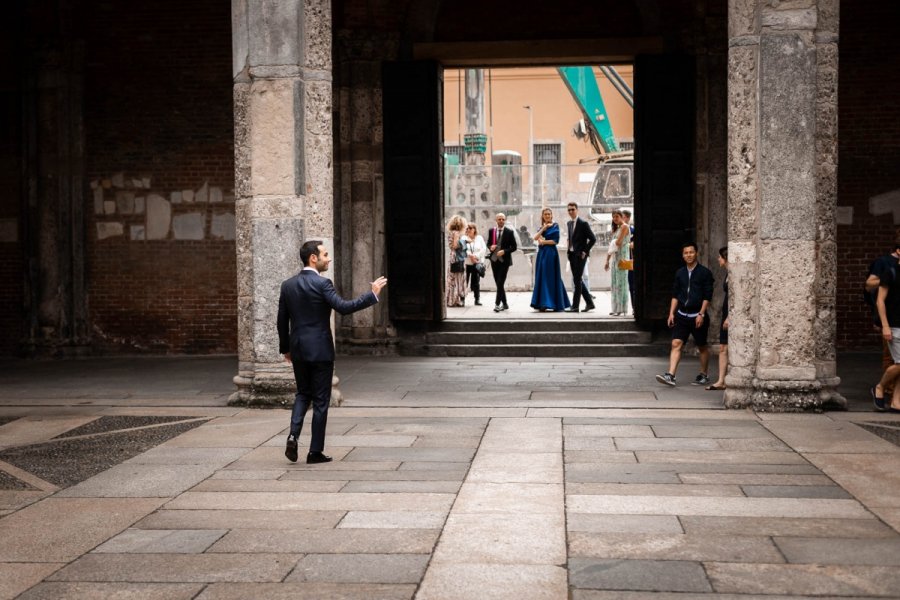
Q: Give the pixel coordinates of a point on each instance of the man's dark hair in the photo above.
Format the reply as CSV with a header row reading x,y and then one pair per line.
x,y
690,245
572,204
723,252
308,249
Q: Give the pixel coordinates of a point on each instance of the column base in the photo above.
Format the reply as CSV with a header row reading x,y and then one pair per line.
x,y
271,386
785,395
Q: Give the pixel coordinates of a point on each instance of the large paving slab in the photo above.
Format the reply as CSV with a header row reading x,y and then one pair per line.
x,y
82,590
62,529
307,591
15,578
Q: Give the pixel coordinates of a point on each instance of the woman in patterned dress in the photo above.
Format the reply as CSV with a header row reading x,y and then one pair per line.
x,y
622,238
456,281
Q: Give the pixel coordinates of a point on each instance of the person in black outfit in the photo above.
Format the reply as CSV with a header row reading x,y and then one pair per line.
x,y
581,240
880,269
501,244
888,305
304,338
691,296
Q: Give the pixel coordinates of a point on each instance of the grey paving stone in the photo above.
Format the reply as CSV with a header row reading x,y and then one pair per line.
x,y
717,457
171,455
871,478
434,426
841,551
359,519
307,591
811,526
601,430
328,541
502,538
15,578
450,487
795,491
360,568
618,595
623,523
249,474
268,485
161,541
753,479
82,590
303,500
670,473
175,568
657,546
812,580
653,489
736,430
130,480
512,498
834,437
592,443
434,441
411,454
721,507
505,582
61,529
652,575
308,470
495,467
241,519
599,456
457,468
405,475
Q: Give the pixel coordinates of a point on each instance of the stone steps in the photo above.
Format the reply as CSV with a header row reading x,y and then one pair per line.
x,y
547,338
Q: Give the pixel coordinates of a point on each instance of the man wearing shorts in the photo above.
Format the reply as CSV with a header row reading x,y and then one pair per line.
x,y
888,304
691,296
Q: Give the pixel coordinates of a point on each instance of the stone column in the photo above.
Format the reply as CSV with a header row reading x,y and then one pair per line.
x,y
782,158
283,172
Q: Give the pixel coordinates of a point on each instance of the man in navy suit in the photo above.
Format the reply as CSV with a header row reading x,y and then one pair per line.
x,y
581,240
304,338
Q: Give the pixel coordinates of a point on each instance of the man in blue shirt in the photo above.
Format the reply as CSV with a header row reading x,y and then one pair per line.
x,y
691,296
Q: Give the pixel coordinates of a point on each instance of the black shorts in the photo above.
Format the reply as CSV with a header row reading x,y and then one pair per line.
x,y
723,336
687,326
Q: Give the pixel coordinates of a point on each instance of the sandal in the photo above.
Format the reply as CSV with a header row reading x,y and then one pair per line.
x,y
716,388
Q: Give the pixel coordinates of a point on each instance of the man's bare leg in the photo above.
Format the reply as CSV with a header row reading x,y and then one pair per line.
x,y
675,355
704,359
887,379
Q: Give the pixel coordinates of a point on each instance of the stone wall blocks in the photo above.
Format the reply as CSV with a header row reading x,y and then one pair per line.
x,y
274,207
743,17
317,21
788,20
242,140
318,109
240,38
271,142
108,229
159,217
786,311
829,17
189,226
275,32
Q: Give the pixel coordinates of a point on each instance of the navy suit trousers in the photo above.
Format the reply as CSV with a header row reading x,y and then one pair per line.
x,y
313,387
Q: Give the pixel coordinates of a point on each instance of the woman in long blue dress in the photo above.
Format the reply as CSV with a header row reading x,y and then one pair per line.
x,y
549,290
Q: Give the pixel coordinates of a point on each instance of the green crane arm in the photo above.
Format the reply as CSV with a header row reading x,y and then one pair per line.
x,y
584,89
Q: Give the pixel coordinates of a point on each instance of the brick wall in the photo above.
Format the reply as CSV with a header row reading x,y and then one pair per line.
x,y
159,145
12,324
869,153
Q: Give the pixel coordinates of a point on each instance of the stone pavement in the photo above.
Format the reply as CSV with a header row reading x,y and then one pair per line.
x,y
453,478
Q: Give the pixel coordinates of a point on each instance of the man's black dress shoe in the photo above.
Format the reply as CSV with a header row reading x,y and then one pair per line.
x,y
506,307
291,450
477,303
314,458
588,308
497,308
571,309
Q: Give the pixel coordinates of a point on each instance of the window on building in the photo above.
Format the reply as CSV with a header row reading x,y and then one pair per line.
x,y
456,150
547,173
618,184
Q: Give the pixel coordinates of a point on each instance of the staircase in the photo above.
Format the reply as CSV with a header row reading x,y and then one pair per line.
x,y
536,338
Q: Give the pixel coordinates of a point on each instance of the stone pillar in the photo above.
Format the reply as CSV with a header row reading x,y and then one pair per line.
x,y
54,218
283,172
359,176
782,159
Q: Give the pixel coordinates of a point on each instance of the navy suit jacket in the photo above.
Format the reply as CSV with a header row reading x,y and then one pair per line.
x,y
304,316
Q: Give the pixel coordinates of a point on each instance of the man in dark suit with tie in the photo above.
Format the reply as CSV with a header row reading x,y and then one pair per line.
x,y
501,244
581,240
305,340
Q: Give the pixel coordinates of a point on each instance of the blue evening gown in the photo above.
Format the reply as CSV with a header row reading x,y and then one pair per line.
x,y
549,291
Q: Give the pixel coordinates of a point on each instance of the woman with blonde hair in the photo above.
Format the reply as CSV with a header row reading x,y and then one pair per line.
x,y
619,251
549,290
456,276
